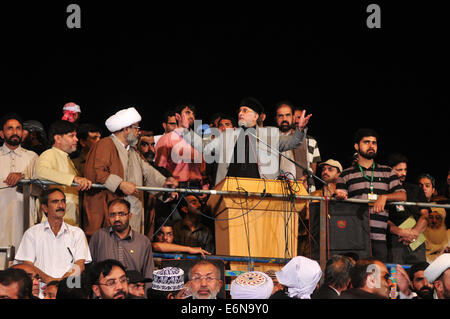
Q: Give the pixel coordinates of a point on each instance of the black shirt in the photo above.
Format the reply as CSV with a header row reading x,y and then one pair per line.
x,y
398,214
201,236
248,166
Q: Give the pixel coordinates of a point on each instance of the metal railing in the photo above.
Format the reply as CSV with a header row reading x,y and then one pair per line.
x,y
323,207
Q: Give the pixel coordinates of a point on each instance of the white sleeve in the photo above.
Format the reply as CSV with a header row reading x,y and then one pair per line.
x,y
81,249
27,248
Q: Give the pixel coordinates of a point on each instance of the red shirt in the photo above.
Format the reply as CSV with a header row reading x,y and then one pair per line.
x,y
180,158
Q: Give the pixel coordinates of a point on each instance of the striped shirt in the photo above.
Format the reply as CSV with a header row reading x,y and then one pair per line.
x,y
313,151
385,181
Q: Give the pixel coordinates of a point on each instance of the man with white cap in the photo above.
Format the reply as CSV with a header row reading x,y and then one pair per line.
x,y
438,273
71,112
330,173
252,285
115,163
300,276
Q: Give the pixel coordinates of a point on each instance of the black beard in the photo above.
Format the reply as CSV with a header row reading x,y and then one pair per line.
x,y
120,228
285,127
368,156
425,293
150,156
11,142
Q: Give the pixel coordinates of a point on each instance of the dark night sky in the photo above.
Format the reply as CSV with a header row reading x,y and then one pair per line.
x,y
394,79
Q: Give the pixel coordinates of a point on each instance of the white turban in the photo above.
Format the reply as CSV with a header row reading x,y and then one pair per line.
x,y
72,107
437,267
301,276
252,285
122,119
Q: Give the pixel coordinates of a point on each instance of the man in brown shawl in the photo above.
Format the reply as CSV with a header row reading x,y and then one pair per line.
x,y
115,163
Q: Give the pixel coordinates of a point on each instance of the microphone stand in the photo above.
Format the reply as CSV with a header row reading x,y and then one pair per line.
x,y
309,172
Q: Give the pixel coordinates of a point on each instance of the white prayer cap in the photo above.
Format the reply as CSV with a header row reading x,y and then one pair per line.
x,y
437,267
168,279
72,107
122,119
252,285
301,276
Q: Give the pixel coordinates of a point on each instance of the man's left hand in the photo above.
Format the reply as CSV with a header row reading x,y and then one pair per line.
x,y
171,182
379,204
13,179
303,121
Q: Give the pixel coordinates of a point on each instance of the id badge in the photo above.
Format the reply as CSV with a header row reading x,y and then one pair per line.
x,y
373,196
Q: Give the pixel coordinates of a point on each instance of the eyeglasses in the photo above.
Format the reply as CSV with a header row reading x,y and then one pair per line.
x,y
200,278
120,214
113,282
136,127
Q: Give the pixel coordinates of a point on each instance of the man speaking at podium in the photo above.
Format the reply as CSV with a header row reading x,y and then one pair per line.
x,y
239,153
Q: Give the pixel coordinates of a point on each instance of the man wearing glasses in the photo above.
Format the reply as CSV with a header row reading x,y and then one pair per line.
x,y
120,242
114,162
110,280
204,280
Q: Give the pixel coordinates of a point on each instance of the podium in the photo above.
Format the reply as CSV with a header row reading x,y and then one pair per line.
x,y
270,229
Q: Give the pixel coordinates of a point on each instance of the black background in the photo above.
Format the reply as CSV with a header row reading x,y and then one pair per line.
x,y
324,57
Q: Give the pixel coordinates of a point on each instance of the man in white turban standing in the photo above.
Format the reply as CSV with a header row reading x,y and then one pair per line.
x,y
301,276
115,163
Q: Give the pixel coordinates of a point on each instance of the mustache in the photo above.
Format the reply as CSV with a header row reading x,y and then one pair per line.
x,y
120,293
60,210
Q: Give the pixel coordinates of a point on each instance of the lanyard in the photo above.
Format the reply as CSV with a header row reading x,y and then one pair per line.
x,y
366,177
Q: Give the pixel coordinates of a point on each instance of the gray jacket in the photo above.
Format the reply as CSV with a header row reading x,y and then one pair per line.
x,y
221,149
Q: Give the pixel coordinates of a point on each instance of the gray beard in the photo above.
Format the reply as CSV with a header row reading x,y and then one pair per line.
x,y
132,140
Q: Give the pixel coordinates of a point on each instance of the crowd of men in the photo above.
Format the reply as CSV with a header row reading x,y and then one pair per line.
x,y
105,236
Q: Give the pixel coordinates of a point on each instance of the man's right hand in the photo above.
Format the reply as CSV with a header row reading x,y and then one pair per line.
x,y
128,188
341,194
198,250
83,183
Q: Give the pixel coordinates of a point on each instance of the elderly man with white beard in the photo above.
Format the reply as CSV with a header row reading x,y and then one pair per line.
x,y
115,163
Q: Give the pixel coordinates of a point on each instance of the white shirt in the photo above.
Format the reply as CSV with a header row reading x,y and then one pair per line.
x,y
22,161
51,253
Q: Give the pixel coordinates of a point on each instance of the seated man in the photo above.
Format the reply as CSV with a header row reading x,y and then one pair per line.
x,y
110,280
369,279
55,249
15,284
34,276
204,280
164,242
136,283
190,231
120,242
51,289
